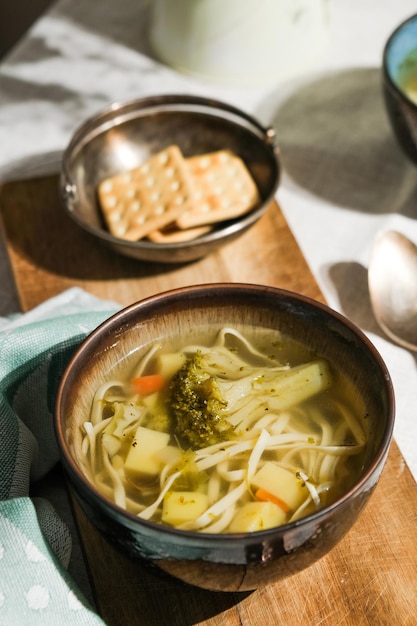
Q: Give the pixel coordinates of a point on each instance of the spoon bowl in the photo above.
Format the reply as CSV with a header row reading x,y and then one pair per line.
x,y
392,280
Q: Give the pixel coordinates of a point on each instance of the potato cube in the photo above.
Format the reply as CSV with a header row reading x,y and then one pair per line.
x,y
299,383
142,456
169,363
151,400
254,516
282,484
183,506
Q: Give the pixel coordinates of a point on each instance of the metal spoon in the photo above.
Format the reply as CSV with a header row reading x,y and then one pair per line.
x,y
392,280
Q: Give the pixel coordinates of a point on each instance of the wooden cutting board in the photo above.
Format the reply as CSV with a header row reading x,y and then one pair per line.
x,y
369,578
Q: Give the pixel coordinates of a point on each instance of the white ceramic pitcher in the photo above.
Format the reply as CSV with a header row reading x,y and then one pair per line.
x,y
240,42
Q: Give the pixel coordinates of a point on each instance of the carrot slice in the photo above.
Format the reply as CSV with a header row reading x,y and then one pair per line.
x,y
266,496
145,385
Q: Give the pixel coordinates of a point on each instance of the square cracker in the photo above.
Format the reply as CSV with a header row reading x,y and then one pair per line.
x,y
172,234
224,189
148,197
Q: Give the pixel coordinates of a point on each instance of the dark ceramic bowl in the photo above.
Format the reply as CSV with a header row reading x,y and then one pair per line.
x,y
226,562
399,66
127,134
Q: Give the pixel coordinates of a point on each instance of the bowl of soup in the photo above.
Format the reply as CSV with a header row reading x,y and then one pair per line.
x,y
230,434
400,84
169,178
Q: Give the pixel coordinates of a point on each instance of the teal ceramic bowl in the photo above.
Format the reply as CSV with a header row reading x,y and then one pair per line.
x,y
400,84
232,561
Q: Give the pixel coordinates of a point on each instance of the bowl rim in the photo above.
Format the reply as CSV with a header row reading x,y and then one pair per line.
x,y
139,107
386,50
116,320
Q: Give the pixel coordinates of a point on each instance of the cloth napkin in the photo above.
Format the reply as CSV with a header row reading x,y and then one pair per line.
x,y
35,544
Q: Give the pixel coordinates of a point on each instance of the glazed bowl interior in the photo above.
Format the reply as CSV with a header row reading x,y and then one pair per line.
x,y
400,84
225,561
127,134
400,56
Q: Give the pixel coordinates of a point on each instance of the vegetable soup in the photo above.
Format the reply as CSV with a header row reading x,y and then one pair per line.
x,y
241,434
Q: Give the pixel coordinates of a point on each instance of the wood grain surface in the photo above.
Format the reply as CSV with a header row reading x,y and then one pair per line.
x,y
49,253
369,578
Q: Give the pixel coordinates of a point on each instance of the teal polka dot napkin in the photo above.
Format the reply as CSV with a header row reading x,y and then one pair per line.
x,y
35,544
34,587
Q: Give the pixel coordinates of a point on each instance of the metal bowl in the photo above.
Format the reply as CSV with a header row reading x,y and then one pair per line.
x,y
126,134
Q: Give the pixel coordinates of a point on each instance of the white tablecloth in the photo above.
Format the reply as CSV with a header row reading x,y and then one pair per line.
x,y
344,176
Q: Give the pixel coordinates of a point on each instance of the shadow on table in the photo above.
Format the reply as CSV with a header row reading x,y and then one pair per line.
x,y
350,280
30,167
115,22
114,25
336,143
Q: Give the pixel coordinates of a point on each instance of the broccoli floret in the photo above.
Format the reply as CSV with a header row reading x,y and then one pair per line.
x,y
197,405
